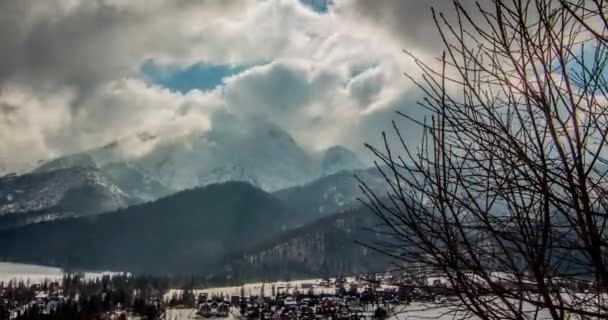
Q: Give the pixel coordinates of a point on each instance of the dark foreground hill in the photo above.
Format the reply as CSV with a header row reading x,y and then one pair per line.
x,y
180,233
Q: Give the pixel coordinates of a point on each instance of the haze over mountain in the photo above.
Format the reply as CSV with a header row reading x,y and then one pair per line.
x,y
258,152
339,158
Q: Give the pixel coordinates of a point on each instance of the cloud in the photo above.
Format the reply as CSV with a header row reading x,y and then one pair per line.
x,y
71,70
131,106
321,105
68,68
408,22
84,43
25,123
34,126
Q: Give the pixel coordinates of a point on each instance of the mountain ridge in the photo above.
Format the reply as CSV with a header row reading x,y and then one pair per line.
x,y
261,153
184,228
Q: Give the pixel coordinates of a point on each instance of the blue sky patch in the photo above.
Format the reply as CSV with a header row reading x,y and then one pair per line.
x,y
183,79
320,6
595,60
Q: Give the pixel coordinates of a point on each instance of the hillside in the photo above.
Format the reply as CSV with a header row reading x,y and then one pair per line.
x,y
228,230
175,234
329,246
61,193
331,194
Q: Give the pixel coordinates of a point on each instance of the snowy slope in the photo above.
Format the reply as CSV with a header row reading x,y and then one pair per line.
x,y
263,155
26,272
83,189
260,153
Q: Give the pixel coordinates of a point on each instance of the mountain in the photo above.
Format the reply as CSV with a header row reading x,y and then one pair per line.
x,y
332,194
226,230
339,158
179,233
261,154
134,183
46,195
80,160
329,246
74,191
60,188
257,152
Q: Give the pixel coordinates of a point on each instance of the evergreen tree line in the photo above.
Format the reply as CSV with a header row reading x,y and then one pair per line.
x,y
78,297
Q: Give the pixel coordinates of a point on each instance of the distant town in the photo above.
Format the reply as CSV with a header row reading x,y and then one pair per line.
x,y
123,296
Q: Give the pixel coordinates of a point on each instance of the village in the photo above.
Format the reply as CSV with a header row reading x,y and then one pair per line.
x,y
116,297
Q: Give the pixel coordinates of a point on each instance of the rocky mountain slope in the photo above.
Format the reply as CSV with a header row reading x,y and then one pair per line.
x,y
82,190
71,192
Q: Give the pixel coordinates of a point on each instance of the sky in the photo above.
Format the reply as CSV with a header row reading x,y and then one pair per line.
x,y
79,74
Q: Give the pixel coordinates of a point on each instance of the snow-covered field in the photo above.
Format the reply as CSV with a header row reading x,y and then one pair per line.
x,y
33,273
39,274
10,271
413,311
255,289
406,312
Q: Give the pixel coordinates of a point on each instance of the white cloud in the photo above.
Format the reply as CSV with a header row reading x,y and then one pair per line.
x,y
70,68
26,121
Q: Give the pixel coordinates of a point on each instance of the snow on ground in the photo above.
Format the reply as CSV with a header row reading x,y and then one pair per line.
x,y
406,312
254,289
419,310
38,274
184,314
414,311
33,273
10,271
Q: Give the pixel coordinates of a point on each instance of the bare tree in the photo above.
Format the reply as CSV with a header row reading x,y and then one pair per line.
x,y
506,196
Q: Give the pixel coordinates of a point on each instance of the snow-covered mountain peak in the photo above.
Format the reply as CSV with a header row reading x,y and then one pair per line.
x,y
258,152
